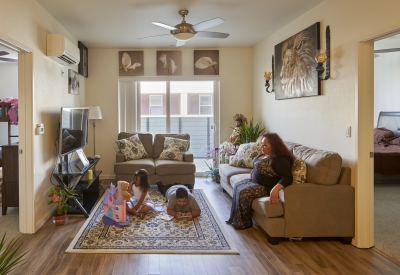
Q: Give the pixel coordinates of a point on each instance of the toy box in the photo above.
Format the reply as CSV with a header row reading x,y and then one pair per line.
x,y
115,208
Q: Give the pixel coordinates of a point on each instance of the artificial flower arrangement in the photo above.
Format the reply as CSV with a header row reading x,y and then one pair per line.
x,y
213,169
228,148
60,197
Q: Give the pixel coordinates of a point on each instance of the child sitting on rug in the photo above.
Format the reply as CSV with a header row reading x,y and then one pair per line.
x,y
140,202
179,200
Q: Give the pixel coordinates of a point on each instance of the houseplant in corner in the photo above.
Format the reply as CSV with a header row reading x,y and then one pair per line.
x,y
60,197
250,132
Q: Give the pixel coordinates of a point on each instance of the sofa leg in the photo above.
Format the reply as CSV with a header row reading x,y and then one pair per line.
x,y
346,240
273,240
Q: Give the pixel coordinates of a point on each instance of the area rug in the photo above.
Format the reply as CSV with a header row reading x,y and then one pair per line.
x,y
153,235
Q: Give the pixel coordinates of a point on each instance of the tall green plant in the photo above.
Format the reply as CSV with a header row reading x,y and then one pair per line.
x,y
250,132
8,259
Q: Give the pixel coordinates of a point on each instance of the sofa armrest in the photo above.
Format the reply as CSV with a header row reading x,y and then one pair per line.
x,y
120,157
188,157
319,210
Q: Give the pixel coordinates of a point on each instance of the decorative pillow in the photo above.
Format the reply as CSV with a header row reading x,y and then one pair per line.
x,y
245,155
299,171
174,148
380,134
67,140
132,148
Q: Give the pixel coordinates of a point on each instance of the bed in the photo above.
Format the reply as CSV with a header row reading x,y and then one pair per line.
x,y
387,145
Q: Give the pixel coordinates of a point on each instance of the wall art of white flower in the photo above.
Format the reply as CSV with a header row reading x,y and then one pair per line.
x,y
169,63
130,63
204,63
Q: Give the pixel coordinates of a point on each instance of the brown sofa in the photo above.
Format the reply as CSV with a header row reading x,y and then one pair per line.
x,y
321,207
167,171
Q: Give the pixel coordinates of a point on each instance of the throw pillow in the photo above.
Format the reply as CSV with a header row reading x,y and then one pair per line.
x,y
67,140
174,148
132,148
299,171
245,155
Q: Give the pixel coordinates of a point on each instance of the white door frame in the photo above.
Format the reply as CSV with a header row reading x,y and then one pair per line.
x,y
25,133
364,174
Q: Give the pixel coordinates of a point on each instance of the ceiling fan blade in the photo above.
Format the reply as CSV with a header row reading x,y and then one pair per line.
x,y
164,25
153,36
387,50
212,34
8,59
208,24
180,43
3,53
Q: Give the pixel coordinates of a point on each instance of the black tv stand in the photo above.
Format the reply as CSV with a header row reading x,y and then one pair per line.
x,y
88,190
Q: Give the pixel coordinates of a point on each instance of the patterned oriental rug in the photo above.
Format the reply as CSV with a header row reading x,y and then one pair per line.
x,y
153,235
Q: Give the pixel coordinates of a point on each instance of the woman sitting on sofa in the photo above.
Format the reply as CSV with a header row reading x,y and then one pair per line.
x,y
272,171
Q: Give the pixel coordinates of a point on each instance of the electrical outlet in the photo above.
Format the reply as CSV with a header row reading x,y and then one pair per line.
x,y
348,131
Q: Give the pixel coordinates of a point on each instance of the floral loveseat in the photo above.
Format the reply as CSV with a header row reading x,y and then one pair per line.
x,y
322,206
166,170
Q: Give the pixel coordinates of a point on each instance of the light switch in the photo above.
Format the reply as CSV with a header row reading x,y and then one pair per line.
x,y
39,129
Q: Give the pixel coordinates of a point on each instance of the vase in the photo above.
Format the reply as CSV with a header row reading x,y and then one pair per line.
x,y
59,219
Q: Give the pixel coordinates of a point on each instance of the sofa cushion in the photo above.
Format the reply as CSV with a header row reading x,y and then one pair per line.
x,y
239,177
299,171
130,166
145,138
174,148
291,145
174,167
228,171
159,142
132,148
245,155
264,207
323,167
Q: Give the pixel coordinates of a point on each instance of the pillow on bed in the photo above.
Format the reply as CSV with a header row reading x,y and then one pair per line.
x,y
381,134
395,141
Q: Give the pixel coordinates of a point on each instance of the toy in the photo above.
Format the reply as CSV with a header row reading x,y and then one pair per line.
x,y
124,187
115,209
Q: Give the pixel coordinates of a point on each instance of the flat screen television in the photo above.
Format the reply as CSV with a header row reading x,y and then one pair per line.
x,y
73,130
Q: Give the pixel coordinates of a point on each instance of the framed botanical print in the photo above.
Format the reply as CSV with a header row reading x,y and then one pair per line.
x,y
169,63
131,63
206,62
73,82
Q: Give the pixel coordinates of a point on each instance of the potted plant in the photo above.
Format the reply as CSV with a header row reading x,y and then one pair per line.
x,y
213,172
250,132
8,258
60,197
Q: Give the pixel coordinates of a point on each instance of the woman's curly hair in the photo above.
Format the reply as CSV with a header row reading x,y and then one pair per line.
x,y
278,147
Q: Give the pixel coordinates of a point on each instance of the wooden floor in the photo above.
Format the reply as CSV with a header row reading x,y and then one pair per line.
x,y
309,256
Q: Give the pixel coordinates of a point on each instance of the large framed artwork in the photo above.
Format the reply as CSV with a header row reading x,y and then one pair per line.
x,y
73,82
131,63
206,62
169,63
295,65
83,64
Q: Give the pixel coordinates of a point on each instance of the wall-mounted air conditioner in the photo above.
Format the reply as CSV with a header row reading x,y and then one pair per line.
x,y
62,50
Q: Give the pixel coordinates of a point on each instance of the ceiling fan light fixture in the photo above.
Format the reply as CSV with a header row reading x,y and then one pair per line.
x,y
184,36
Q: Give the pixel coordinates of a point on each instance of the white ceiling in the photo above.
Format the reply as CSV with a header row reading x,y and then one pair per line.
x,y
118,24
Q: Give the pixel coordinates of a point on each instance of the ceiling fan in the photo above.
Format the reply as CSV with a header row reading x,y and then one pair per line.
x,y
3,53
185,31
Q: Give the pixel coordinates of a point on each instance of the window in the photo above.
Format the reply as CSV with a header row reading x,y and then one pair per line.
x,y
156,105
205,104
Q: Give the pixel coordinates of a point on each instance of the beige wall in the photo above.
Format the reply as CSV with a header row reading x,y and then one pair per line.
x,y
27,23
236,66
320,122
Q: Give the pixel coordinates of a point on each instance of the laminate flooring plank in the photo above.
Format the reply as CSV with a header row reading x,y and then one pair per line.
x,y
75,264
198,264
392,265
143,260
98,263
209,264
87,263
154,264
236,270
260,260
108,264
187,264
176,267
58,255
281,264
165,264
220,264
132,264
236,263
119,265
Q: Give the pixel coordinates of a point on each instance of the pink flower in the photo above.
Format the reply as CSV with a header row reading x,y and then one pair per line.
x,y
56,198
